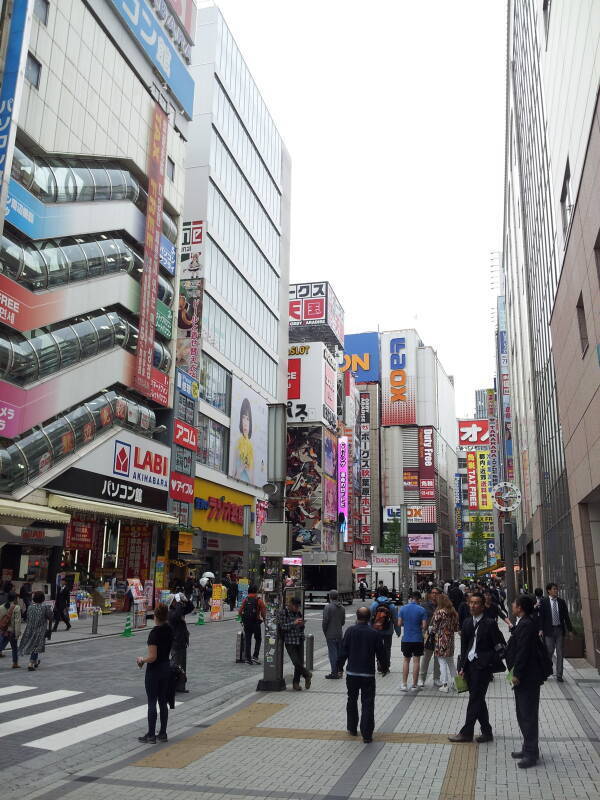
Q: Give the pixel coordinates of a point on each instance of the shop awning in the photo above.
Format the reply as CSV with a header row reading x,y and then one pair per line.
x,y
359,563
12,508
110,510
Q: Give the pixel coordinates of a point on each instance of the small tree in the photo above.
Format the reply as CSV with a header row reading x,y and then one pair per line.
x,y
475,548
392,537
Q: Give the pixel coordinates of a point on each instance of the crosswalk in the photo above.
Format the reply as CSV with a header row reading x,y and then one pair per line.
x,y
68,705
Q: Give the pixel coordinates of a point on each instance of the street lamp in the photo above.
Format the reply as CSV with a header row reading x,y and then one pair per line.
x,y
371,549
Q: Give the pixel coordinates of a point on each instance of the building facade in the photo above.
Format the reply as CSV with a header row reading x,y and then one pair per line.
x,y
233,323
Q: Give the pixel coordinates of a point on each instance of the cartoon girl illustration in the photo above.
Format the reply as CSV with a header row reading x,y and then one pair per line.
x,y
243,468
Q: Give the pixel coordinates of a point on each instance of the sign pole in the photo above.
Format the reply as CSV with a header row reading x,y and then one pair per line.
x,y
404,551
509,574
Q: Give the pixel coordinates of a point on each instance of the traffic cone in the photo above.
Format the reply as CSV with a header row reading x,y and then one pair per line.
x,y
128,632
200,620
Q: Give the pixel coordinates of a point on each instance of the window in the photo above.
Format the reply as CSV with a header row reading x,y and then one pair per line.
x,y
215,384
33,70
566,201
213,443
170,168
583,333
41,9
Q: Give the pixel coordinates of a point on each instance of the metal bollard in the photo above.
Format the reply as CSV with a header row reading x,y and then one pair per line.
x,y
239,647
310,652
95,615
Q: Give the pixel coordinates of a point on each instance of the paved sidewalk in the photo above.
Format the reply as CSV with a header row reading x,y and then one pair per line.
x,y
293,746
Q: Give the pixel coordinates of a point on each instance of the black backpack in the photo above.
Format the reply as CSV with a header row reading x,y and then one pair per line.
x,y
544,660
250,612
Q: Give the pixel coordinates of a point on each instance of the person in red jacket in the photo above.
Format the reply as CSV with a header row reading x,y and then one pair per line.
x,y
252,614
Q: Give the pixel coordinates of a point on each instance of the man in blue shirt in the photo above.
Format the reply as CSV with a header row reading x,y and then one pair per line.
x,y
413,618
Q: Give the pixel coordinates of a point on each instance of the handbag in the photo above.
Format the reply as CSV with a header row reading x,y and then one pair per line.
x,y
460,684
430,641
6,620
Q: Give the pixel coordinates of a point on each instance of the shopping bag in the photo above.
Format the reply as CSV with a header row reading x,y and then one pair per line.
x,y
509,677
460,684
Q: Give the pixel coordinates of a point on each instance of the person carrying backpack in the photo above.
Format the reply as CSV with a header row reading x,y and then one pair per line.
x,y
531,665
384,619
252,615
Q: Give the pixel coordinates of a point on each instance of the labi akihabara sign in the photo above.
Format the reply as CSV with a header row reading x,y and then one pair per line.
x,y
361,356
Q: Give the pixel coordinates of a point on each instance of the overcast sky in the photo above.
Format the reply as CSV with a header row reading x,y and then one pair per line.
x,y
393,112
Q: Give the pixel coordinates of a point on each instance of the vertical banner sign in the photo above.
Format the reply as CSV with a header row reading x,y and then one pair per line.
x,y
472,480
343,480
483,481
426,464
458,522
148,380
365,467
11,89
399,379
491,412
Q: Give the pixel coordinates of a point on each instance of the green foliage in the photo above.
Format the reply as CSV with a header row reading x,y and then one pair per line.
x,y
475,549
392,537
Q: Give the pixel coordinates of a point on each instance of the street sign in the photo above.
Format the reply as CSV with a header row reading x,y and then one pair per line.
x,y
506,496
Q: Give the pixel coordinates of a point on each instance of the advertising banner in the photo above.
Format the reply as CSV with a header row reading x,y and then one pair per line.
x,y
483,481
218,509
329,453
335,315
399,378
304,487
420,541
343,477
416,515
185,435
181,487
361,356
317,304
191,250
248,435
330,500
422,564
472,480
148,380
385,560
189,326
79,535
262,508
311,384
458,511
411,480
426,464
365,464
473,433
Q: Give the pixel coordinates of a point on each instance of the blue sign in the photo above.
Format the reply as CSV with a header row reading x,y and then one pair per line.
x,y
186,384
361,356
167,254
149,34
25,211
10,77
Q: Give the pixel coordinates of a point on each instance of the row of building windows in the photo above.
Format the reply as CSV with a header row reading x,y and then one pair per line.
x,y
240,246
221,273
48,263
61,180
246,97
213,444
246,154
25,359
215,384
228,338
239,193
38,450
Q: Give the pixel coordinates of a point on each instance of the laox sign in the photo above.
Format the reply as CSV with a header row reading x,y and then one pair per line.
x,y
398,370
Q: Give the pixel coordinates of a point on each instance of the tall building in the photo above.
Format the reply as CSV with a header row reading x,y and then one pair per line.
x,y
480,403
551,66
96,104
233,320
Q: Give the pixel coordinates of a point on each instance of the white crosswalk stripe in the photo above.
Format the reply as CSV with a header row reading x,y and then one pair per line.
x,y
63,713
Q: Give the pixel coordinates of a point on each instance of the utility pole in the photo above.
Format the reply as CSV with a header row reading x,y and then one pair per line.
x,y
404,551
509,564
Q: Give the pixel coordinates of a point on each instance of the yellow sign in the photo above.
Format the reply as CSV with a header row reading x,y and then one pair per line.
x,y
218,509
483,480
486,519
186,541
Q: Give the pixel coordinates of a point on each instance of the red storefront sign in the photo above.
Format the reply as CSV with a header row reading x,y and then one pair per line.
x,y
186,435
79,535
148,380
294,378
181,487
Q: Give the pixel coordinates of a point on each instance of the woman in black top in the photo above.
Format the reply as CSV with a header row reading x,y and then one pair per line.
x,y
157,674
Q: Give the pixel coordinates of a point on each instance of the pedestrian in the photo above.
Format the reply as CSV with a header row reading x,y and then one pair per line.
x,y
25,595
413,621
481,645
38,629
177,609
253,612
361,647
61,606
492,610
464,612
208,590
188,587
362,589
232,592
554,623
529,671
291,622
158,673
10,626
7,588
430,605
384,619
455,595
445,625
334,619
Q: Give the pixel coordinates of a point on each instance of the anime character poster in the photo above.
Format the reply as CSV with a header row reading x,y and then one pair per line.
x,y
329,453
248,435
304,487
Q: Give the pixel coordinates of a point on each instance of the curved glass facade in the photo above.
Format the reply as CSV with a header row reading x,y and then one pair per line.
x,y
55,262
62,180
39,449
24,360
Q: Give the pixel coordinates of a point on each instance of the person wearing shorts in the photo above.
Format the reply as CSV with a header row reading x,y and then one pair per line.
x,y
413,619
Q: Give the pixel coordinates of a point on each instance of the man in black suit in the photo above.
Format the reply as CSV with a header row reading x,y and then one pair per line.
x,y
480,645
522,657
554,622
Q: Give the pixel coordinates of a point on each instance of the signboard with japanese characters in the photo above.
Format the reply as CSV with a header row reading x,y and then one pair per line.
x,y
426,464
311,384
315,304
483,481
365,464
472,480
127,469
473,434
